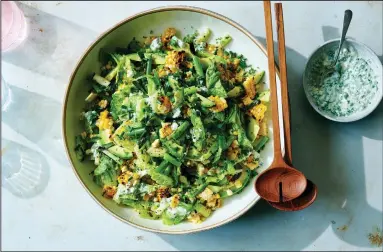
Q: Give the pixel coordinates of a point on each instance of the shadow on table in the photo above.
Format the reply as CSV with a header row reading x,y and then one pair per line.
x,y
321,151
24,172
51,49
38,118
52,46
355,227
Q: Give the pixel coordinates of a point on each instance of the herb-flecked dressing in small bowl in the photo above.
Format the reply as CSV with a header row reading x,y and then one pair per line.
x,y
351,89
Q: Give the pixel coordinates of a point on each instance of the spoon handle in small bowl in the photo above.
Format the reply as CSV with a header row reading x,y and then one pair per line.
x,y
346,23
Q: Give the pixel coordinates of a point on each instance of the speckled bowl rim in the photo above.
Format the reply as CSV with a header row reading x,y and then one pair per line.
x,y
350,118
82,58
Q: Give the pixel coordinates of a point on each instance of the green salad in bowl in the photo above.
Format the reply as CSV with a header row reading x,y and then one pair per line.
x,y
174,125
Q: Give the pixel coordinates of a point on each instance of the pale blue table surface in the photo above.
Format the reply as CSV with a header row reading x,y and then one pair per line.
x,y
55,212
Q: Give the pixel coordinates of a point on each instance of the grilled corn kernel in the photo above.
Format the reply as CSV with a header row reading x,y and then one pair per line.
x,y
195,218
163,72
166,130
156,143
175,201
168,34
165,106
234,144
249,86
253,165
104,121
258,111
146,197
220,103
206,194
238,184
124,177
211,48
173,60
103,103
263,131
109,191
246,100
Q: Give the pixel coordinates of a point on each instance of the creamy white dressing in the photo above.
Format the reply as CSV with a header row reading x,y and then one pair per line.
x,y
347,90
177,211
121,190
164,203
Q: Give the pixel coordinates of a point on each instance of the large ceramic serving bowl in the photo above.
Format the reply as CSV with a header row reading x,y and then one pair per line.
x,y
185,20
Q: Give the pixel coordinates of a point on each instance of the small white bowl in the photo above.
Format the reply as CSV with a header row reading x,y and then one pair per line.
x,y
364,52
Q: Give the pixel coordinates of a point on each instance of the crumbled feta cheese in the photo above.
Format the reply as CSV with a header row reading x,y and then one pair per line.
x,y
178,211
156,44
176,113
174,126
179,42
164,203
199,46
121,190
229,192
129,73
142,173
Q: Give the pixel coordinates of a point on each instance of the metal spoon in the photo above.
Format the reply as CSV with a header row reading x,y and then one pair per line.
x,y
346,23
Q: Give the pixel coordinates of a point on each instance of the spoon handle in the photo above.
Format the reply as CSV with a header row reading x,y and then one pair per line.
x,y
346,23
283,76
273,86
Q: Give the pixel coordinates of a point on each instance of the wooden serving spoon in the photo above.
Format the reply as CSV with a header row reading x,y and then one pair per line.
x,y
310,194
281,182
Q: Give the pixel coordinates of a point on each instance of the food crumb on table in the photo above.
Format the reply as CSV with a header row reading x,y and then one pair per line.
x,y
376,237
139,238
343,228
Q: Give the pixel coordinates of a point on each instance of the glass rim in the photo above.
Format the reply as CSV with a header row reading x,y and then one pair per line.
x,y
12,6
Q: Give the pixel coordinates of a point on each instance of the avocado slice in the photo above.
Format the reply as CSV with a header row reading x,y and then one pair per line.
x,y
158,59
156,152
243,180
148,215
258,76
122,141
134,57
104,137
264,96
120,152
235,92
205,102
252,129
206,212
91,97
